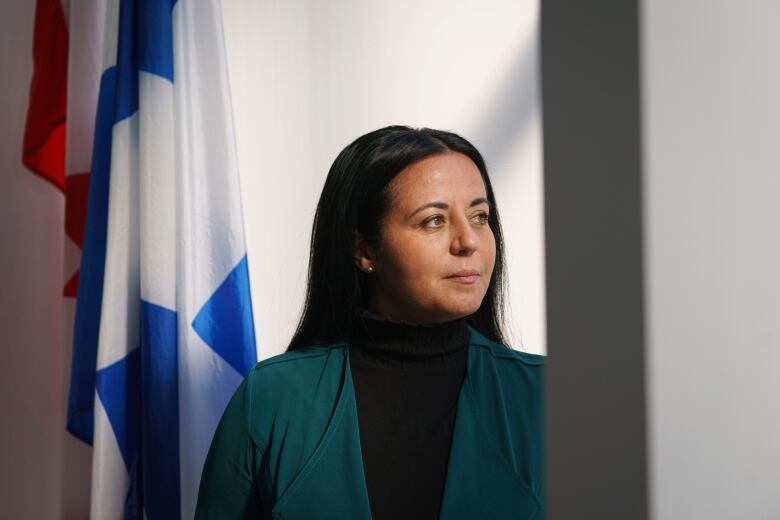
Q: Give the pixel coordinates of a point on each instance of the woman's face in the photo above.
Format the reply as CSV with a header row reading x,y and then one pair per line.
x,y
437,252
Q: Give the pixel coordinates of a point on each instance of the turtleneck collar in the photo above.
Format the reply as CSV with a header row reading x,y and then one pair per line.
x,y
396,343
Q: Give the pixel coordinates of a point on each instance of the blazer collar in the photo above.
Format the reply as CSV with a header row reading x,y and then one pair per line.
x,y
480,482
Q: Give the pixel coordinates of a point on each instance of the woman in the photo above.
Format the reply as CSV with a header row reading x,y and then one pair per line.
x,y
397,397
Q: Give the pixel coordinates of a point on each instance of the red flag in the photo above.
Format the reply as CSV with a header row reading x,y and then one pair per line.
x,y
44,146
44,135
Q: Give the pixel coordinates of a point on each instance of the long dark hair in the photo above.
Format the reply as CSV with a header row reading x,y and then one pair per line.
x,y
356,197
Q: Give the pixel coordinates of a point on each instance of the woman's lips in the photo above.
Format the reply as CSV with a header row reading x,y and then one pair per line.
x,y
467,277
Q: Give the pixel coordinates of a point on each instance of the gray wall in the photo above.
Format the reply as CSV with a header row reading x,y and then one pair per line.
x,y
711,146
593,231
662,180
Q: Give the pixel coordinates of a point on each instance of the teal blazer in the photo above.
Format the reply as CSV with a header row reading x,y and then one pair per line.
x,y
288,445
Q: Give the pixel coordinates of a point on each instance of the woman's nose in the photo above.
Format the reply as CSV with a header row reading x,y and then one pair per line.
x,y
464,239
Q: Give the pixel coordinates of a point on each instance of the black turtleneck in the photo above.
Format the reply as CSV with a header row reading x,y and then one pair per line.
x,y
407,381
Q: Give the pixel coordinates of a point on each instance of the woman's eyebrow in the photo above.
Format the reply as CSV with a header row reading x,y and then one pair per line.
x,y
444,205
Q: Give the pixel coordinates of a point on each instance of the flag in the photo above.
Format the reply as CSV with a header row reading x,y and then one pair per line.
x,y
163,332
43,148
57,146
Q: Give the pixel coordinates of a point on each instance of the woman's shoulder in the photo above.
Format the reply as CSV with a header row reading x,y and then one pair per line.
x,y
281,386
300,354
295,365
515,378
501,351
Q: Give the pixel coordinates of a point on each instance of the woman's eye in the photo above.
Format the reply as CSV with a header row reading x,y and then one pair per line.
x,y
483,218
436,220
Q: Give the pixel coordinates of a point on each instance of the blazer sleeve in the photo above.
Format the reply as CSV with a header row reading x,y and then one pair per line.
x,y
229,484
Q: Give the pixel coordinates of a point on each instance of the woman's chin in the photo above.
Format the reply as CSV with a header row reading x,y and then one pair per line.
x,y
460,310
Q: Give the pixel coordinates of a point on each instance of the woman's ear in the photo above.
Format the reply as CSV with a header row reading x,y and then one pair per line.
x,y
363,253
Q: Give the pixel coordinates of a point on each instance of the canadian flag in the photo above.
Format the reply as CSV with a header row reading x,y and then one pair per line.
x,y
57,145
61,121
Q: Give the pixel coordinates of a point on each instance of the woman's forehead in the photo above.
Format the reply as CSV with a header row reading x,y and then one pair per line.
x,y
451,176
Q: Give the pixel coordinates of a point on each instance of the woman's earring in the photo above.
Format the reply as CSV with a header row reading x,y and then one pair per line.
x,y
370,268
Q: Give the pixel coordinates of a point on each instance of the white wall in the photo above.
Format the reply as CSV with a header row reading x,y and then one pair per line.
x,y
711,88
308,77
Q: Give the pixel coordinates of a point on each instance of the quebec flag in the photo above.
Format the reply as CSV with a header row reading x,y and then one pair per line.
x,y
163,333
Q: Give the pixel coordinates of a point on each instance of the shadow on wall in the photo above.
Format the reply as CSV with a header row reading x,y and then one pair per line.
x,y
506,118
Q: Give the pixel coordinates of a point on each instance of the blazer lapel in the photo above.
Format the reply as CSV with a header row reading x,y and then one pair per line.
x,y
331,484
481,482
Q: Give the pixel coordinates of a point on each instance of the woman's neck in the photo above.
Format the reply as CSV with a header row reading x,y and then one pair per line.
x,y
392,342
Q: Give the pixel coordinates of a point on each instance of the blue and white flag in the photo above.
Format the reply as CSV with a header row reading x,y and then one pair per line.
x,y
163,332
